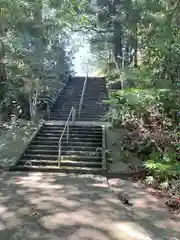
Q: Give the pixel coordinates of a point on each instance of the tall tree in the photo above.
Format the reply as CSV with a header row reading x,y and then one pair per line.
x,y
28,32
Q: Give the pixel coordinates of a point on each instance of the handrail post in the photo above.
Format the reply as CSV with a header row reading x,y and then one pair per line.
x,y
48,111
73,115
59,155
67,136
66,131
82,95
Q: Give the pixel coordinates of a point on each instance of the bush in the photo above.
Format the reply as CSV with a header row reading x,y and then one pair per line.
x,y
151,115
163,166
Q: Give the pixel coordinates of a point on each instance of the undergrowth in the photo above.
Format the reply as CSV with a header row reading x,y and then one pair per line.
x,y
151,117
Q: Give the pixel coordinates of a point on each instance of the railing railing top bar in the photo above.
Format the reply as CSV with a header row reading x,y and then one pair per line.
x,y
66,127
82,95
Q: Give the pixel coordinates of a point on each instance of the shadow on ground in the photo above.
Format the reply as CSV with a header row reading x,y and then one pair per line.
x,y
39,206
148,210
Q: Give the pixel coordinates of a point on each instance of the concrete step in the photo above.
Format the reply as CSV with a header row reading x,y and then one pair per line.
x,y
78,93
90,95
86,111
96,108
79,127
71,133
85,107
90,116
52,152
95,119
77,170
75,136
84,114
63,163
71,130
69,144
55,157
56,140
56,147
90,112
65,109
74,98
80,134
75,101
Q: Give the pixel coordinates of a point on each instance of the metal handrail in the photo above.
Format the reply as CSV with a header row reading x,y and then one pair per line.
x,y
66,127
82,95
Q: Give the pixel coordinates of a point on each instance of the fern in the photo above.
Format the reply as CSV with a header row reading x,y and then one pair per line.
x,y
163,167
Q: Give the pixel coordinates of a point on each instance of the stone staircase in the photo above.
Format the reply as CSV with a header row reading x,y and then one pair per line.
x,y
92,110
82,154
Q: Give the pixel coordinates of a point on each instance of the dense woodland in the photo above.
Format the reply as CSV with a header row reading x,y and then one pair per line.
x,y
134,42
33,56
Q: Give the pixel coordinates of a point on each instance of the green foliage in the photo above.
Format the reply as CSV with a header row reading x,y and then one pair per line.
x,y
152,116
139,102
149,180
132,101
33,48
170,100
163,166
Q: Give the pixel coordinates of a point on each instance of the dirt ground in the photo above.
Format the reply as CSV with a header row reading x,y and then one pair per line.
x,y
39,206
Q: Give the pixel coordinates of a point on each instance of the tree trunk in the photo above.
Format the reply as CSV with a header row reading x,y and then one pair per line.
x,y
117,34
135,48
117,44
33,106
3,75
39,58
37,15
3,79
